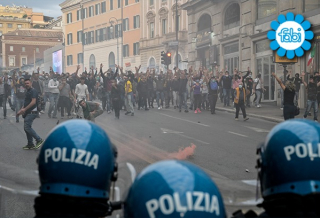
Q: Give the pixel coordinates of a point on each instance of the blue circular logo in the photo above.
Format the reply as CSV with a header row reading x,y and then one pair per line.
x,y
290,36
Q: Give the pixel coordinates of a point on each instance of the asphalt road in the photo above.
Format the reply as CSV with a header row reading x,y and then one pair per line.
x,y
225,149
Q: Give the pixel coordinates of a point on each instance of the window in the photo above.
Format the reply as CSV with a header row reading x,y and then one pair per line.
x,y
126,24
98,36
111,4
9,25
79,14
1,25
69,18
23,49
309,5
125,50
79,36
137,1
69,37
23,61
104,34
84,13
12,61
37,50
85,38
19,26
97,9
90,37
126,2
110,32
80,58
91,12
136,21
266,8
164,26
119,3
151,2
151,30
232,16
118,32
11,48
69,60
92,61
136,48
0,33
103,7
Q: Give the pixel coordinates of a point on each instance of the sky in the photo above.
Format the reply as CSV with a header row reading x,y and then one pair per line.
x,y
49,8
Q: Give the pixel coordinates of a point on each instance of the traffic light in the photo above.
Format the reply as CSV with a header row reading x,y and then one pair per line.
x,y
168,58
163,58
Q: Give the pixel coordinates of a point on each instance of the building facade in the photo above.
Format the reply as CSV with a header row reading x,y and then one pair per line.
x,y
94,33
233,34
158,33
25,47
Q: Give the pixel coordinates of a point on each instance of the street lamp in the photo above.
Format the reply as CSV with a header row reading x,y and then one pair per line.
x,y
63,50
113,20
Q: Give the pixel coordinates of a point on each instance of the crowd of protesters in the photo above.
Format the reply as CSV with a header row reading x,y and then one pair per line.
x,y
118,90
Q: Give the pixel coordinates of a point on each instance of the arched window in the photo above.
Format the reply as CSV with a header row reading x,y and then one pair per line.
x,y
152,63
92,61
112,60
232,16
204,22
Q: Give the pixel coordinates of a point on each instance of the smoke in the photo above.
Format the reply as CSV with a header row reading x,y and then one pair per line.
x,y
184,153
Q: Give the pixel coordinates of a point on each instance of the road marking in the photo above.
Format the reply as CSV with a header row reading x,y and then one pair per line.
x,y
238,134
258,129
169,131
252,182
188,137
201,124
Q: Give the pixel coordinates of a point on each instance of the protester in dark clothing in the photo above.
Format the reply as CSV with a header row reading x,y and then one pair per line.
x,y
183,92
239,100
226,85
249,82
197,96
167,91
29,112
116,98
213,87
142,88
297,82
5,91
20,96
150,91
159,91
64,98
312,96
107,90
289,90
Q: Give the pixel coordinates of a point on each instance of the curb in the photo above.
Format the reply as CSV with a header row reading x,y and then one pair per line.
x,y
272,119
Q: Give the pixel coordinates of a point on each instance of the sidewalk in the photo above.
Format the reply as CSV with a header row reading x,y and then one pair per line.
x,y
268,111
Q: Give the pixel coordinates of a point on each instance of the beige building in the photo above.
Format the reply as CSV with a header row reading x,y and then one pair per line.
x,y
95,29
233,34
158,32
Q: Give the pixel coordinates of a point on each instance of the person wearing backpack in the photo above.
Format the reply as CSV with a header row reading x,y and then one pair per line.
x,y
213,93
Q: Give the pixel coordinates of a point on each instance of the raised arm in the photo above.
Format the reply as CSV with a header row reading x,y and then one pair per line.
x,y
279,81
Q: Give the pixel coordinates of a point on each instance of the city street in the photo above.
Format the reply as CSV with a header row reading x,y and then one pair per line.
x,y
225,149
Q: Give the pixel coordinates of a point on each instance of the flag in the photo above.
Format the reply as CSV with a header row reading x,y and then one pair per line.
x,y
311,55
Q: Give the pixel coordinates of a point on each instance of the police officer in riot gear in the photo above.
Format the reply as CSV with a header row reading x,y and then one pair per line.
x,y
77,165
288,165
173,189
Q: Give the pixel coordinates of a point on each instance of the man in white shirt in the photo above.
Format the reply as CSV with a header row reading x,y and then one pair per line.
x,y
258,90
54,96
81,92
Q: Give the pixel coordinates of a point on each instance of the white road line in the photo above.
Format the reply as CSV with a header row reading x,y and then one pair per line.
x,y
201,124
188,137
238,134
258,129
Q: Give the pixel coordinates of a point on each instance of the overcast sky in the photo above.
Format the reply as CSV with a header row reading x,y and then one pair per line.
x,y
49,8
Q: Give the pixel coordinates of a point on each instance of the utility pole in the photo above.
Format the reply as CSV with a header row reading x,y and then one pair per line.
x,y
177,36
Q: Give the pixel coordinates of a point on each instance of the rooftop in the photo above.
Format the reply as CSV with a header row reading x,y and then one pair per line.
x,y
48,33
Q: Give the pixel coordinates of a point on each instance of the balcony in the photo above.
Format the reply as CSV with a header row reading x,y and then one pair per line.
x,y
170,37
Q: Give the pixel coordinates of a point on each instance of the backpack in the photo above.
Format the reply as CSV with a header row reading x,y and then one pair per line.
x,y
213,85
